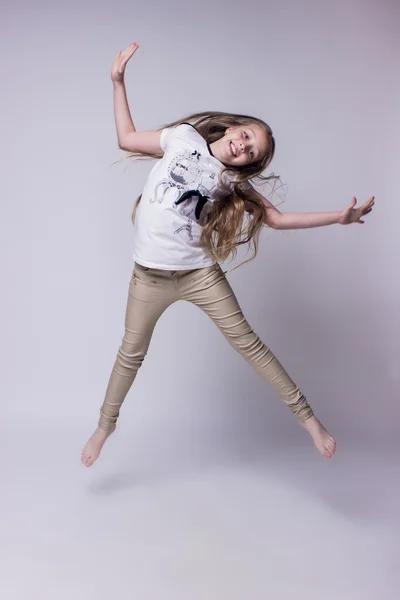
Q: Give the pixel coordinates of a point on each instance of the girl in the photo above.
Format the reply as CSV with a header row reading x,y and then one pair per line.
x,y
191,215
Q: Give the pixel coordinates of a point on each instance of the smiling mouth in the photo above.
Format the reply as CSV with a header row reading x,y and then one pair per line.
x,y
233,149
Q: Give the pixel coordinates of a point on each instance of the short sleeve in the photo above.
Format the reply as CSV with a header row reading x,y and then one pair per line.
x,y
181,132
165,137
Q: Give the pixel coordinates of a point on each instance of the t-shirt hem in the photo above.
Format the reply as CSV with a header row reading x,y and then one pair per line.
x,y
153,265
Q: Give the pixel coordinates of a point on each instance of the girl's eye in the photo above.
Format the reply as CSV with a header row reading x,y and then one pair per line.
x,y
251,154
245,135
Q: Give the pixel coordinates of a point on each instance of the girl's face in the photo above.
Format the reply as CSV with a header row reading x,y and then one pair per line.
x,y
241,145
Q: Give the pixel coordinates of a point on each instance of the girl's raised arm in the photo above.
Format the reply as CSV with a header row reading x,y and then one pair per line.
x,y
146,142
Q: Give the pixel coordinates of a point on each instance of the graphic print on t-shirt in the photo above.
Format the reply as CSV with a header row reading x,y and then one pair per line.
x,y
191,205
190,186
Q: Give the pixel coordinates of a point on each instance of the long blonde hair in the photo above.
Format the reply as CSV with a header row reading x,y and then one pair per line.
x,y
224,230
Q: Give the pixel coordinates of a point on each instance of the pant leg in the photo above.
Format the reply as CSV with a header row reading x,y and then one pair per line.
x,y
149,296
210,291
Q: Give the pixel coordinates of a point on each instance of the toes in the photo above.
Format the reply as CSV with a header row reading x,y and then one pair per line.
x,y
331,445
327,450
330,448
88,460
85,458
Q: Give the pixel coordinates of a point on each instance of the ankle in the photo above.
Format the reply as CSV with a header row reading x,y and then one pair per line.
x,y
102,432
310,422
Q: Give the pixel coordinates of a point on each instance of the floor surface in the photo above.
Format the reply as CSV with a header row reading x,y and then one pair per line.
x,y
160,520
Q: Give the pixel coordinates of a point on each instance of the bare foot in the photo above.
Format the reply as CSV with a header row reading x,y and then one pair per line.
x,y
323,440
93,447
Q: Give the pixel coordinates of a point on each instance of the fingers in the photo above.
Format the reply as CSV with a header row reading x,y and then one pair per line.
x,y
131,49
369,204
128,53
123,56
366,209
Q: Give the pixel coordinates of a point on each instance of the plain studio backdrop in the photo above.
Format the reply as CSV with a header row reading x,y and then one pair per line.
x,y
209,489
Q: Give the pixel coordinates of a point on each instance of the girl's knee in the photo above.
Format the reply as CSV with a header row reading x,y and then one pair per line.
x,y
131,356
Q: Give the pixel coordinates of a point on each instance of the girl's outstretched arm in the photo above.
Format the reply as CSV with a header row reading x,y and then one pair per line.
x,y
147,142
278,220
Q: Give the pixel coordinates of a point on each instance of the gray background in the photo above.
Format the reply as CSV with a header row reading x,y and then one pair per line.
x,y
198,420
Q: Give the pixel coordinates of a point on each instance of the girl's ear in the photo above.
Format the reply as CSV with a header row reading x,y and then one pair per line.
x,y
228,130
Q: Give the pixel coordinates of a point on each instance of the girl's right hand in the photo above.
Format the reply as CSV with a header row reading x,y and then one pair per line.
x,y
119,64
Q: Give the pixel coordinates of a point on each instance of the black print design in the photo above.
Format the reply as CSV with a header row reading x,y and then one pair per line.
x,y
191,187
191,205
200,202
195,204
184,172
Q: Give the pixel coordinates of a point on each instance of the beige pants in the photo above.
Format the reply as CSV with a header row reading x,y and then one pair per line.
x,y
151,291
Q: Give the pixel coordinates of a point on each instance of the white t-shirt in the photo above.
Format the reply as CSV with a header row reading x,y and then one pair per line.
x,y
177,195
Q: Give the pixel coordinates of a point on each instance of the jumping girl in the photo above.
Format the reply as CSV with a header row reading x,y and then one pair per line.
x,y
198,205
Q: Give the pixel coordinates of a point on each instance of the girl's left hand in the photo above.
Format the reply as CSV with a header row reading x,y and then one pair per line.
x,y
353,215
